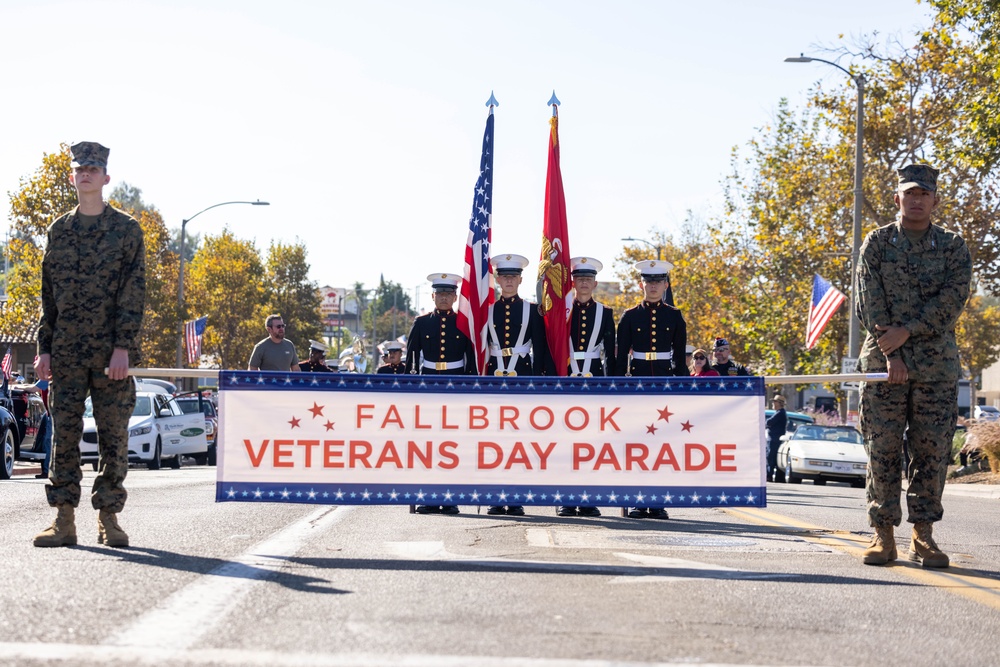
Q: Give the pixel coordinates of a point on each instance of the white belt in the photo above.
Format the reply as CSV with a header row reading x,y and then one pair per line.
x,y
652,356
444,365
580,356
520,350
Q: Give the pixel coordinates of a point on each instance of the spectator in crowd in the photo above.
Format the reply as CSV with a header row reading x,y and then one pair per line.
x,y
44,433
725,366
776,424
699,364
274,353
436,346
317,359
912,281
516,333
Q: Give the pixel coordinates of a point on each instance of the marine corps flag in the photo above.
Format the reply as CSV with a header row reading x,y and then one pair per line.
x,y
554,294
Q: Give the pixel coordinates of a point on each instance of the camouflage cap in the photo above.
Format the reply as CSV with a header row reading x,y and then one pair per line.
x,y
917,176
89,153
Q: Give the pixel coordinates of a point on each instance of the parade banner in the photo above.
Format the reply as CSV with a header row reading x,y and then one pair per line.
x,y
332,438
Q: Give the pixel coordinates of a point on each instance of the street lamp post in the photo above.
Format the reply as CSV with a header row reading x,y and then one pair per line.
x,y
180,273
854,332
658,249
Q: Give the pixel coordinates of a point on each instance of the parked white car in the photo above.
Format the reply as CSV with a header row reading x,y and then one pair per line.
x,y
986,413
824,453
158,430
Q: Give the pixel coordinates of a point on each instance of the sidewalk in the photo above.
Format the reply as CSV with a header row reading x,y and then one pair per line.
x,y
988,491
27,468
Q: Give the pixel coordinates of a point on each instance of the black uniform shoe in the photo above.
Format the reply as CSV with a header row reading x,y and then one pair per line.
x,y
658,513
41,475
449,509
428,509
567,511
639,513
515,510
496,509
588,511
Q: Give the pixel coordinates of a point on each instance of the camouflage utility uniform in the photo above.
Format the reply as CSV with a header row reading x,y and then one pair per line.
x,y
93,291
921,285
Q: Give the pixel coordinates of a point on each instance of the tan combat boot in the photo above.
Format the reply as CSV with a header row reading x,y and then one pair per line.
x,y
923,549
108,530
61,533
883,547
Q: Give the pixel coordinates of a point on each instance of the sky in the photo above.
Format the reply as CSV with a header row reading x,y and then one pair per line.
x,y
361,122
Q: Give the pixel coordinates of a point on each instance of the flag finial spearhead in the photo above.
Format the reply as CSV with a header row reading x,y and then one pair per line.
x,y
492,102
554,101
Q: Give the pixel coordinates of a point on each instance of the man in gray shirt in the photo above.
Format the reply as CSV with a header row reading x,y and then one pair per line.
x,y
274,353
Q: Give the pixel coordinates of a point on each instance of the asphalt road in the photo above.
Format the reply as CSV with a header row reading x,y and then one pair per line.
x,y
270,584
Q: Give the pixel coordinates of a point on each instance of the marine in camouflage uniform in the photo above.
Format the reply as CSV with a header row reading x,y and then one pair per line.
x,y
93,293
912,283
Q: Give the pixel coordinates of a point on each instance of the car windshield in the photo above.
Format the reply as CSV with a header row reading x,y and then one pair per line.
x,y
143,407
828,433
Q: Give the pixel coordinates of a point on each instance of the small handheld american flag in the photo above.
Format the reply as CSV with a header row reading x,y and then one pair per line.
x,y
826,299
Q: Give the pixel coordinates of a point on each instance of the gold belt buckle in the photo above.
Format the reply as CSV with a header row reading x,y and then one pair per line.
x,y
507,352
441,366
651,356
500,373
588,375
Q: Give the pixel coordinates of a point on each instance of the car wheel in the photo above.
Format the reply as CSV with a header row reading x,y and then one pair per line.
x,y
819,481
858,483
779,475
200,459
154,463
7,469
790,477
175,463
211,455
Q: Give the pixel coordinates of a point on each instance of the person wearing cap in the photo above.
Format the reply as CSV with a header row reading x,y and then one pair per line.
x,y
436,346
912,281
700,366
394,359
724,364
776,426
317,359
93,294
516,332
274,353
652,338
591,340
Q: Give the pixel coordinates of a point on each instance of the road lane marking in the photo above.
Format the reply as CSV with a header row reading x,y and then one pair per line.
x,y
184,617
131,655
963,581
642,568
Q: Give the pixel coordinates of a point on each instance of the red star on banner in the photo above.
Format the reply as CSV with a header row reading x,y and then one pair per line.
x,y
317,410
294,421
665,414
686,426
651,429
329,425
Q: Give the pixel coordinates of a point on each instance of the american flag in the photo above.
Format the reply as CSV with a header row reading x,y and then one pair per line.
x,y
193,331
477,285
8,363
826,299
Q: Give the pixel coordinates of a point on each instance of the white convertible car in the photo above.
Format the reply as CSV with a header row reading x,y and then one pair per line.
x,y
158,430
824,453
